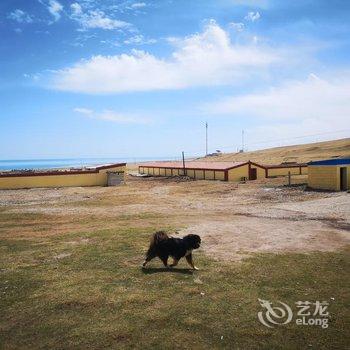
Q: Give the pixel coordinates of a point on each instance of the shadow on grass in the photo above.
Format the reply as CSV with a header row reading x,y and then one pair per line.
x,y
151,270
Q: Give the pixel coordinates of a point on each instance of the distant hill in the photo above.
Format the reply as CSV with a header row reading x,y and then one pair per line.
x,y
297,153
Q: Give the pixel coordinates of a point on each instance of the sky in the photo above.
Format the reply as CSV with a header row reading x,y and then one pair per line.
x,y
130,78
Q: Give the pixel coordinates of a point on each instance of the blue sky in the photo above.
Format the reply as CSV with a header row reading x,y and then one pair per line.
x,y
129,78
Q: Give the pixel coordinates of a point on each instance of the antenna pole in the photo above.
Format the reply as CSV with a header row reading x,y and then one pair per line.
x,y
242,140
206,138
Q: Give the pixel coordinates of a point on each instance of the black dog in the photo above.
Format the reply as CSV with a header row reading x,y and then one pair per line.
x,y
164,246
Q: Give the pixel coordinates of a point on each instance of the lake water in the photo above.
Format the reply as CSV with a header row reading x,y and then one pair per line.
x,y
20,164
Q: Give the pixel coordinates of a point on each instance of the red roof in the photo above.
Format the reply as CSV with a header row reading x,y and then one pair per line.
x,y
90,170
194,165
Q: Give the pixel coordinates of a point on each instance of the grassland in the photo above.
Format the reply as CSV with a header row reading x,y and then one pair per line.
x,y
296,153
70,275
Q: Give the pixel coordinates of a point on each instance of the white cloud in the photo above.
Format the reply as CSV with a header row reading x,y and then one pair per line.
x,y
313,98
33,77
84,111
204,59
252,16
95,19
112,116
20,16
138,5
139,39
76,8
238,27
55,8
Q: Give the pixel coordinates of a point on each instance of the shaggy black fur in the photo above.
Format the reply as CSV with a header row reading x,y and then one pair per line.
x,y
163,246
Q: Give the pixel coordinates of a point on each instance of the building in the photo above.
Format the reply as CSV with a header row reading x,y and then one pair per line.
x,y
94,176
331,174
284,169
224,171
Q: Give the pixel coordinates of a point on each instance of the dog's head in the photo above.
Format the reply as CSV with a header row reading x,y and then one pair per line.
x,y
193,241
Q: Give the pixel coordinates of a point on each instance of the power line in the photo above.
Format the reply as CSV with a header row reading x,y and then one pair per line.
x,y
301,137
199,151
291,138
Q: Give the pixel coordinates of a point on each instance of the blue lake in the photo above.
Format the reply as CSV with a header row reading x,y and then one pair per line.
x,y
19,164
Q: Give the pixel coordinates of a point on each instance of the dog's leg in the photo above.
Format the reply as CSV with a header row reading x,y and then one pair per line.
x,y
175,262
190,262
164,260
149,257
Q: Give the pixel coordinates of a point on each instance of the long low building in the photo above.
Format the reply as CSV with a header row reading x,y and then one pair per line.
x,y
225,171
284,169
95,176
331,174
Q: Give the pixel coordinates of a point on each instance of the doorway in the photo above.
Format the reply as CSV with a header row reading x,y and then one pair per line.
x,y
343,179
252,174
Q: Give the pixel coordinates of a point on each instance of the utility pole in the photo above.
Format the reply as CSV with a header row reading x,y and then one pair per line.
x,y
183,163
206,138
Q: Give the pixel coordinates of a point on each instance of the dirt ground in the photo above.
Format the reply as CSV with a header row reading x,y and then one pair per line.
x,y
234,220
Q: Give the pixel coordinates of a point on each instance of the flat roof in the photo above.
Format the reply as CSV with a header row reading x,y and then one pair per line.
x,y
48,172
336,161
194,165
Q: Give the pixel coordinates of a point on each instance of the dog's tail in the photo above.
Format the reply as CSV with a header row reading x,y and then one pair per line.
x,y
156,239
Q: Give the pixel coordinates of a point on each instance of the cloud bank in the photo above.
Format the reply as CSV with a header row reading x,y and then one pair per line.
x,y
295,108
204,59
314,98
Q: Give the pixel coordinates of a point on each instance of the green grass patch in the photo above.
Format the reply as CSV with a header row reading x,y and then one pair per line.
x,y
87,290
14,220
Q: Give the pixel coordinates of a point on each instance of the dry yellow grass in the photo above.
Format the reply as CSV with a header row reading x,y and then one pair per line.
x,y
296,153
